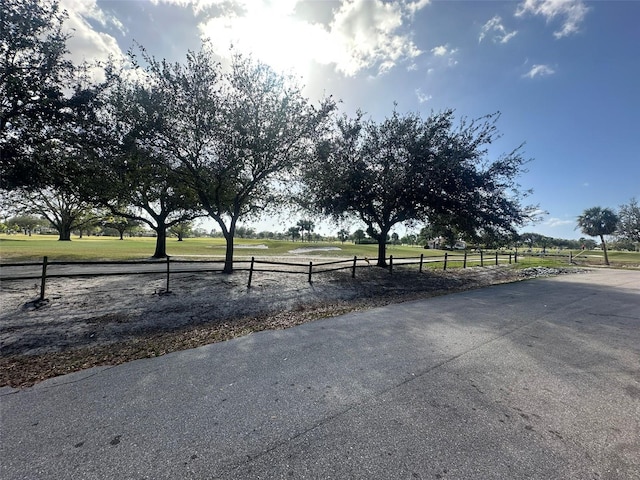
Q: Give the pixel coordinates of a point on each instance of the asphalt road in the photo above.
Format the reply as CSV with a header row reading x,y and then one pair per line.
x,y
537,380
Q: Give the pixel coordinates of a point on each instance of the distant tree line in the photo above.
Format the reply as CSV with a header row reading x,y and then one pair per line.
x,y
122,227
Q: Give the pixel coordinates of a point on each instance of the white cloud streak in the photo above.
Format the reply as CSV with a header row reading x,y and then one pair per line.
x,y
558,222
422,97
416,5
573,13
500,34
539,71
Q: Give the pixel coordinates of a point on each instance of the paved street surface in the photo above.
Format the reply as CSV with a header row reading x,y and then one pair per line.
x,y
537,380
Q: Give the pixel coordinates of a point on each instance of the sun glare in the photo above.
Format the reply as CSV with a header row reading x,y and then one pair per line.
x,y
272,34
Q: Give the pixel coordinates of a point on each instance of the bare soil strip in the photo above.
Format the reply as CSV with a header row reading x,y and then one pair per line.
x,y
111,320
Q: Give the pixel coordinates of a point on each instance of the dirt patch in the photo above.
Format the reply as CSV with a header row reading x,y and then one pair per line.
x,y
110,320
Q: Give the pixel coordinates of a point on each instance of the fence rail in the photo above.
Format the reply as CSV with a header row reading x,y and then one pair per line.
x,y
171,266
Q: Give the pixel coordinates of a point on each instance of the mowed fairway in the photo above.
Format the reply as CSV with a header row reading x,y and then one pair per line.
x,y
22,248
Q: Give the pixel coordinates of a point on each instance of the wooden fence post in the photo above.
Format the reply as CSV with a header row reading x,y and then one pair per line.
x,y
391,264
310,269
421,259
44,277
464,263
353,271
250,272
515,257
570,257
509,259
168,261
446,254
481,259
496,258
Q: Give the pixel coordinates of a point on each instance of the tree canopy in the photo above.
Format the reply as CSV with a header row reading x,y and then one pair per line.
x,y
126,172
233,135
43,96
406,169
629,221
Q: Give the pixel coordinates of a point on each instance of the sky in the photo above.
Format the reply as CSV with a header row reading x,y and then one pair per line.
x,y
565,74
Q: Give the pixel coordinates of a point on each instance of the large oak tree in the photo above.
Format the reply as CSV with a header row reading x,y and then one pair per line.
x,y
407,168
629,222
126,172
235,135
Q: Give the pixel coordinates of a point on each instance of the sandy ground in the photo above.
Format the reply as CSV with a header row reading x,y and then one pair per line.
x,y
102,317
81,312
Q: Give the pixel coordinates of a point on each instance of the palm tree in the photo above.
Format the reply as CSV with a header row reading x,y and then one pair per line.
x,y
305,225
598,222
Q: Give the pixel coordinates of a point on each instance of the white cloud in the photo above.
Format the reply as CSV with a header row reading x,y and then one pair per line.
x,y
539,71
444,51
446,54
86,44
573,13
422,97
414,6
500,33
558,222
199,6
362,34
88,9
538,212
439,51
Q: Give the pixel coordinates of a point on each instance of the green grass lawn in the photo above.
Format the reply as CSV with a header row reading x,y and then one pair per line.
x,y
588,257
18,248
22,248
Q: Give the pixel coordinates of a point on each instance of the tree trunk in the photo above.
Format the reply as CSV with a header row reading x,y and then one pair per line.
x,y
161,242
604,248
382,251
64,232
228,258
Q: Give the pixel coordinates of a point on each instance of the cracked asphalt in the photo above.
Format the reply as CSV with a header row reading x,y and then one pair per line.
x,y
537,379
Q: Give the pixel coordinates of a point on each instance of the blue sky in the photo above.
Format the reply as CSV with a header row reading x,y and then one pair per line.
x,y
563,73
